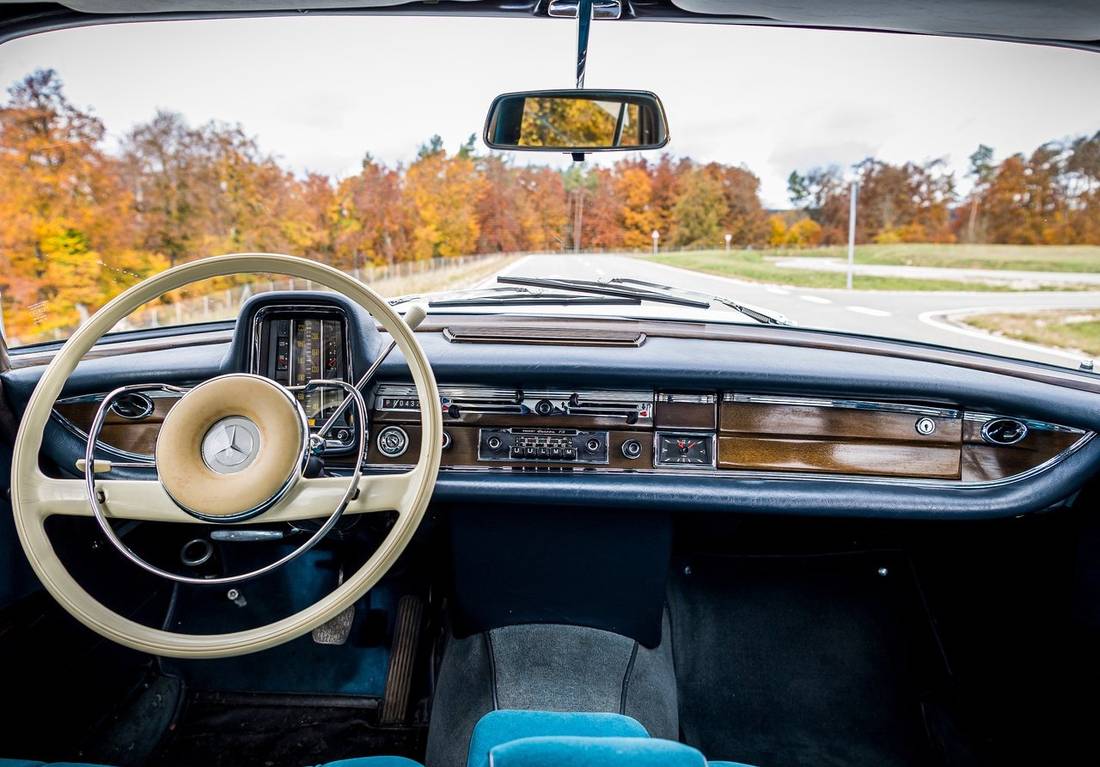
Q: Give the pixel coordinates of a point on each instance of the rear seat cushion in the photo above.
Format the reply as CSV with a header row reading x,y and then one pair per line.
x,y
498,727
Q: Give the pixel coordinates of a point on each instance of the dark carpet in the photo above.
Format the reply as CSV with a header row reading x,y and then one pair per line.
x,y
267,731
787,661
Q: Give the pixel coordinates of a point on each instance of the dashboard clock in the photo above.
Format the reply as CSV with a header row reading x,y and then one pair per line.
x,y
686,449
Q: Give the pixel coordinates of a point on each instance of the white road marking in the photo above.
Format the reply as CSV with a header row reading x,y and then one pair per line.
x,y
777,291
692,276
491,280
937,319
816,299
868,311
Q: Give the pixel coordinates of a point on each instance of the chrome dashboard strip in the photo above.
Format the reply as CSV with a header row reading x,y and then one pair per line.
x,y
846,404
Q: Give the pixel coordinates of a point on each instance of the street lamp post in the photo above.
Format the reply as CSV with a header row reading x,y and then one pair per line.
x,y
729,239
852,232
656,238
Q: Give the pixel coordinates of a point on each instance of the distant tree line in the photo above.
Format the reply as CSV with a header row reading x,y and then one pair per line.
x,y
79,223
1048,197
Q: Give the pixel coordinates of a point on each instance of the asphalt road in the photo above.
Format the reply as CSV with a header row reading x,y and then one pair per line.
x,y
921,316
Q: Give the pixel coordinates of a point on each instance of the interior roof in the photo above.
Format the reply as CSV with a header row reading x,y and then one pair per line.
x,y
1047,19
1070,23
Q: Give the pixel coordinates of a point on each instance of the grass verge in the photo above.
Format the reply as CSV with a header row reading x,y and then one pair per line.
x,y
1028,258
755,267
1070,329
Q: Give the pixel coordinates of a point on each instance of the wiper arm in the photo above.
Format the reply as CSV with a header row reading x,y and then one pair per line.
x,y
759,316
530,299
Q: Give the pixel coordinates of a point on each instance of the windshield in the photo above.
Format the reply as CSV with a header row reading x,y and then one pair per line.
x,y
931,189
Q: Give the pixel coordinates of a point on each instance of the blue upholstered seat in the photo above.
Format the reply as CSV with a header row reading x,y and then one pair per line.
x,y
498,727
597,751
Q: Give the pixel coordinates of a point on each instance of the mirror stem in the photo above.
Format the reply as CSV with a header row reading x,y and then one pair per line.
x,y
584,24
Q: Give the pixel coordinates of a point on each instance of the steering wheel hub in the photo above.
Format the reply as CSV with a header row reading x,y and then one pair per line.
x,y
231,447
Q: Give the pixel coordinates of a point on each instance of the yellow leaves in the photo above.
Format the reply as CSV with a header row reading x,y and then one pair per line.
x,y
639,217
803,233
777,231
444,192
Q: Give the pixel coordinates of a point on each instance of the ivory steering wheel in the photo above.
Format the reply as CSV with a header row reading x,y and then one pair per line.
x,y
187,490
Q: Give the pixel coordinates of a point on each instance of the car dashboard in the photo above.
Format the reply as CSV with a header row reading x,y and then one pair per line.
x,y
669,415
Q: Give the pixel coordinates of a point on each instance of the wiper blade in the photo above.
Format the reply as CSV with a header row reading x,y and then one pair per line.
x,y
626,287
604,289
530,299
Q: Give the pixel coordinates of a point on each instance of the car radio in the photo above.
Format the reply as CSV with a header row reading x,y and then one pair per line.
x,y
546,445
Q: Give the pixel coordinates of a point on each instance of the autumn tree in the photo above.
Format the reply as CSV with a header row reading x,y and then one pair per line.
x,y
66,232
699,211
744,219
444,192
638,215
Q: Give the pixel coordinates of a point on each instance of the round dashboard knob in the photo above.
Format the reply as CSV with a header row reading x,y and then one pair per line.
x,y
494,443
393,441
544,407
631,449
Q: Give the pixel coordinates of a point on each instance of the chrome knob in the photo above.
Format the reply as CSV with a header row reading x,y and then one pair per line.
x,y
392,441
631,449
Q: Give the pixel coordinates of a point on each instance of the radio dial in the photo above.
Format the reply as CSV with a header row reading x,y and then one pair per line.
x,y
544,407
632,449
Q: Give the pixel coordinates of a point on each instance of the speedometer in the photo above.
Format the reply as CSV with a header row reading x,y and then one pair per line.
x,y
685,450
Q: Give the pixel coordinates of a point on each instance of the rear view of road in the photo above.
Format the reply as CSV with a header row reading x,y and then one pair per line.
x,y
919,316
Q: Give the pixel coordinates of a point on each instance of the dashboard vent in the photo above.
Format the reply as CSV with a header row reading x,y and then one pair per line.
x,y
477,402
1004,431
628,410
550,336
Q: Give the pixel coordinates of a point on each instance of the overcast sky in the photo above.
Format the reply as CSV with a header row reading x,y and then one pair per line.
x,y
320,92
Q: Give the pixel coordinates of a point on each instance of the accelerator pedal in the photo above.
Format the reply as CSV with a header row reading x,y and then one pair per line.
x,y
406,637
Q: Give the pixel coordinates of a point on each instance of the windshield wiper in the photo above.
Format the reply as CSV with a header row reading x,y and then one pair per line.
x,y
759,315
625,287
518,296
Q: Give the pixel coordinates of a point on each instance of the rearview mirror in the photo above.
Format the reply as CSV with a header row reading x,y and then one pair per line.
x,y
576,121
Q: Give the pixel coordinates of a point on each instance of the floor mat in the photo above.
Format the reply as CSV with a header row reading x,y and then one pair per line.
x,y
787,661
219,730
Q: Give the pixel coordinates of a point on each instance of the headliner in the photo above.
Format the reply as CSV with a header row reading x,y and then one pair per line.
x,y
1072,23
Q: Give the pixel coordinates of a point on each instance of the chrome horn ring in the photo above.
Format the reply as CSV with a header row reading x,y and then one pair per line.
x,y
100,514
